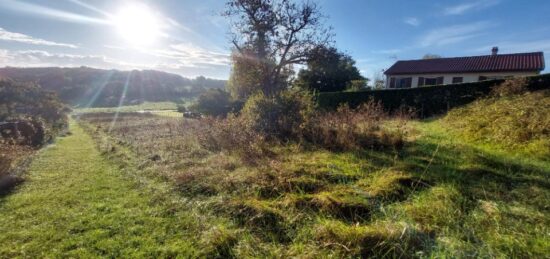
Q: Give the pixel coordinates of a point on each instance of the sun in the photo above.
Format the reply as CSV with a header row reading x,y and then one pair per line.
x,y
137,24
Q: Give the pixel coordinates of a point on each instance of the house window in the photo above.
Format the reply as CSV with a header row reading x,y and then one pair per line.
x,y
458,79
402,82
484,78
430,81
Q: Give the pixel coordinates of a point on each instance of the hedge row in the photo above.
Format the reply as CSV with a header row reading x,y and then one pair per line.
x,y
426,100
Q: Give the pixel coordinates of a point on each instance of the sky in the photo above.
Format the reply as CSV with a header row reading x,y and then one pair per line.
x,y
190,38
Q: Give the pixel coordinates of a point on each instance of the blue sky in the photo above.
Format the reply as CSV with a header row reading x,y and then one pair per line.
x,y
190,38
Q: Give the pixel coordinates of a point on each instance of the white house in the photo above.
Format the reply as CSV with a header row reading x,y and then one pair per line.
x,y
442,71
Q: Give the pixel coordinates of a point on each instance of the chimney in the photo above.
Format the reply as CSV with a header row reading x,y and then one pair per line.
x,y
494,51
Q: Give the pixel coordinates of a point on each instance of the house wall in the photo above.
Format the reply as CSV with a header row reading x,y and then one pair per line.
x,y
448,78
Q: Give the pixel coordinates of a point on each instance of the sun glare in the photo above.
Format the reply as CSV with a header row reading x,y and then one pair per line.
x,y
137,24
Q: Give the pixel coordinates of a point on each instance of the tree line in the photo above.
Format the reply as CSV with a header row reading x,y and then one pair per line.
x,y
84,86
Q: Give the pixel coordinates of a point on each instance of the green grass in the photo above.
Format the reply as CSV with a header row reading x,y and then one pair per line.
x,y
152,191
75,203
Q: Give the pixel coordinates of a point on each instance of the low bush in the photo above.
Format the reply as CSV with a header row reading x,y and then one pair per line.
x,y
31,107
347,128
510,87
233,135
279,117
215,102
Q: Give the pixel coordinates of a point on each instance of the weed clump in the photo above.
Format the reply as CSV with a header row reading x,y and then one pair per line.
x,y
380,239
218,242
510,87
352,129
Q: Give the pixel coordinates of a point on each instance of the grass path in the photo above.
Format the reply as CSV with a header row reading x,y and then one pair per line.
x,y
75,203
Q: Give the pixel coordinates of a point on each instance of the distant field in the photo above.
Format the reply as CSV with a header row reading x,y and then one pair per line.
x,y
151,106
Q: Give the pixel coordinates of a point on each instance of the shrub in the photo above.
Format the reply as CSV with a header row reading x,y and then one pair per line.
x,y
279,117
181,108
510,87
232,134
347,128
28,103
214,102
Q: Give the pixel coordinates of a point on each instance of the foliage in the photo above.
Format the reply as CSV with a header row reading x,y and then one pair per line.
x,y
245,77
269,37
358,85
280,117
89,87
329,70
352,129
28,102
511,87
426,101
214,102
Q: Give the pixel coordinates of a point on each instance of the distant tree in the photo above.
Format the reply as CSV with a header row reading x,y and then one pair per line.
x,y
329,70
358,85
379,84
246,74
431,56
378,79
215,102
271,36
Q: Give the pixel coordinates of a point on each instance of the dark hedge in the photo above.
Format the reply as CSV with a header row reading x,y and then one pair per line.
x,y
426,101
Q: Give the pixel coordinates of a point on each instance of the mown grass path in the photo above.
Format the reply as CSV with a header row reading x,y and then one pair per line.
x,y
75,203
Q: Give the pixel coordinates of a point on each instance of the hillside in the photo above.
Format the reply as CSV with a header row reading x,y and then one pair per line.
x,y
90,87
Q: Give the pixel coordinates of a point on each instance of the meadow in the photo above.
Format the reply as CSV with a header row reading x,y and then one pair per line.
x,y
442,193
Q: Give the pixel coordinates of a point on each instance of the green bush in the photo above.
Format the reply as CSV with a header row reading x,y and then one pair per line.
x,y
214,102
426,100
28,102
281,117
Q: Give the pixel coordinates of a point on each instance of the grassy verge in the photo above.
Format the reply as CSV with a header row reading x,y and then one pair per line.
x,y
77,204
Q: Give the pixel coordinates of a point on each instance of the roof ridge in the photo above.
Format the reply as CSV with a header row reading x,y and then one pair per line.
x,y
508,54
527,61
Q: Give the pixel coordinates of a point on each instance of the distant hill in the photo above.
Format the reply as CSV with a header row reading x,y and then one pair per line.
x,y
84,86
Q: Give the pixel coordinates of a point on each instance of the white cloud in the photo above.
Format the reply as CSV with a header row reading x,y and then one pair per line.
x,y
40,10
387,51
34,58
413,21
453,34
214,65
520,46
19,37
469,6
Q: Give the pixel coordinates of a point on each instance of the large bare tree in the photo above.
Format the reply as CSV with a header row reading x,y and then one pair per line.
x,y
276,34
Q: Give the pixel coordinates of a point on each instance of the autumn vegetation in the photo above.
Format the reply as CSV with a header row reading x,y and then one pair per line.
x,y
264,172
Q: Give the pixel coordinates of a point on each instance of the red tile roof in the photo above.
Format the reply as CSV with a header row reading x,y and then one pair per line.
x,y
492,63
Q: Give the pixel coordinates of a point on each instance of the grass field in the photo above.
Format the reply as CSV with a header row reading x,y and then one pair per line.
x,y
441,196
144,187
146,106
